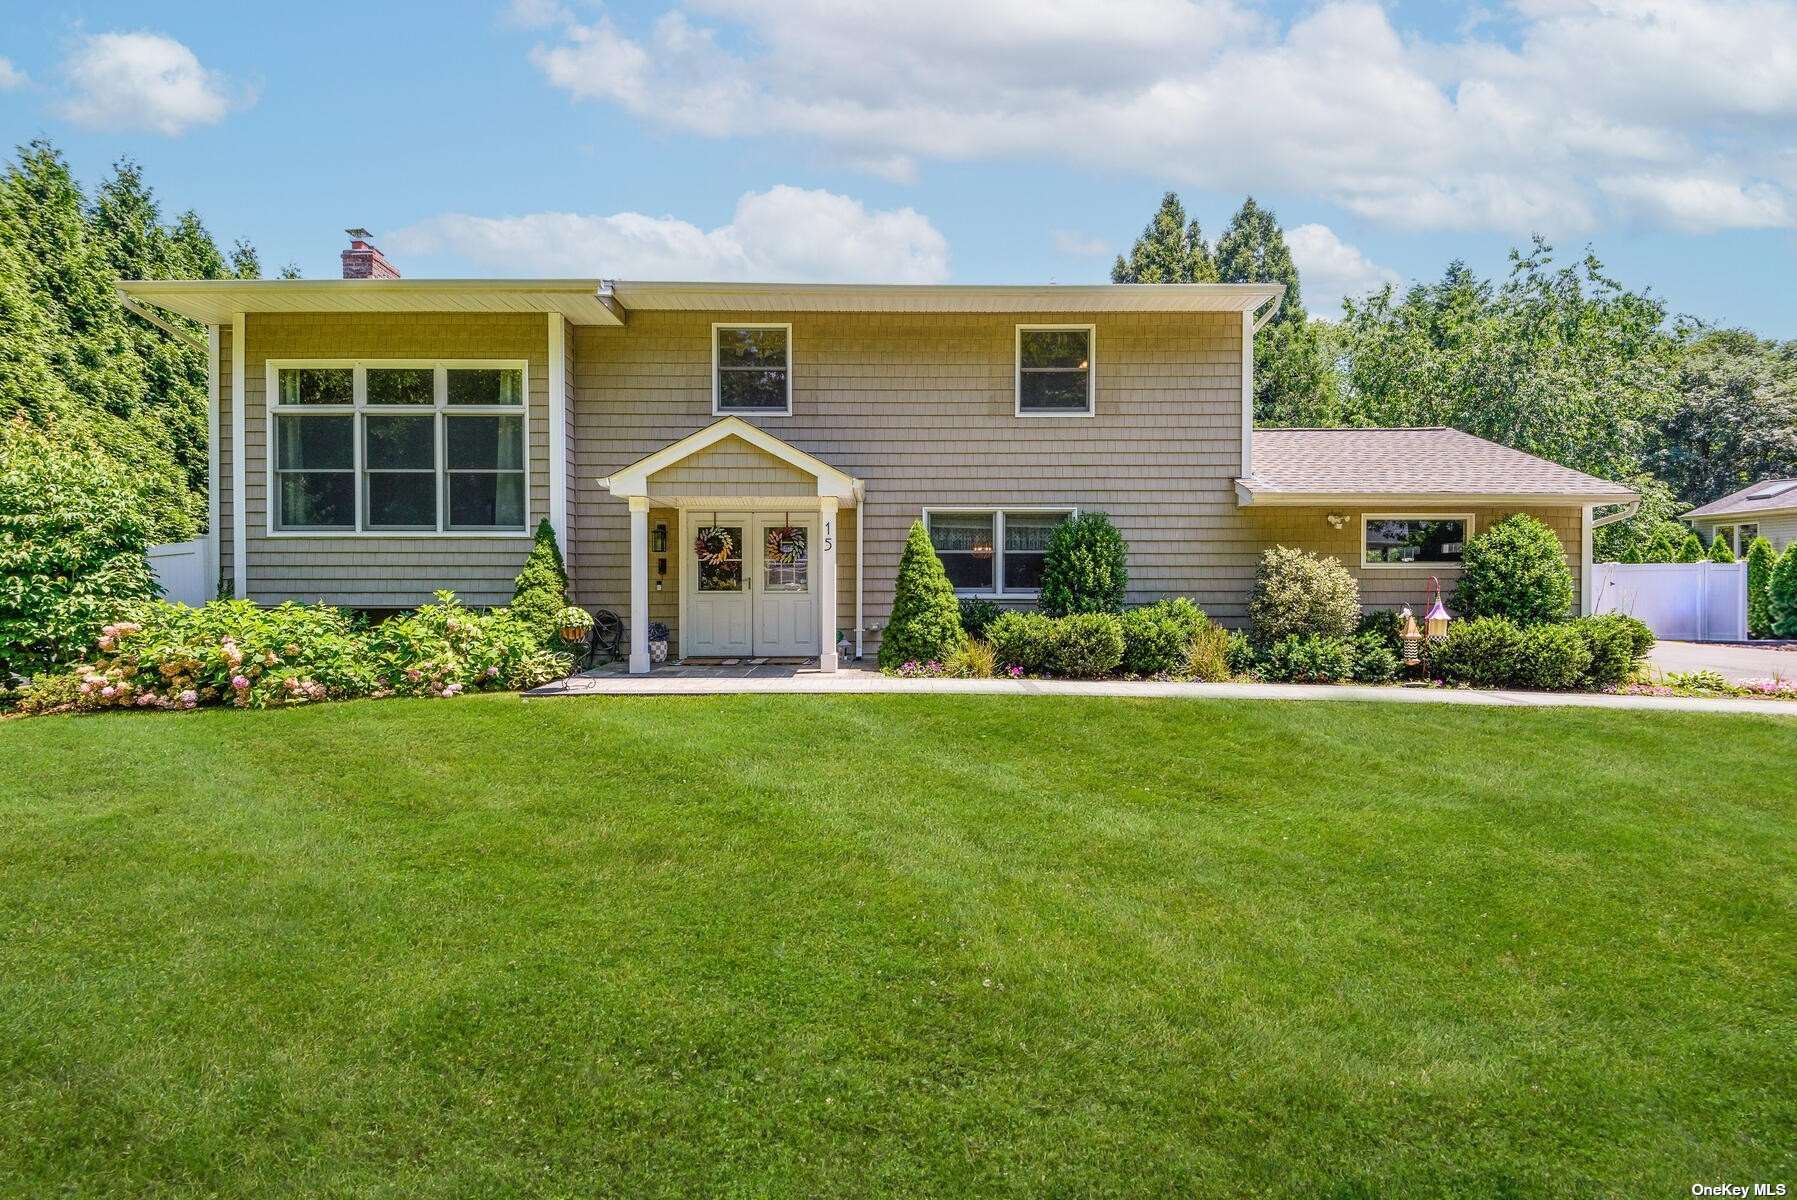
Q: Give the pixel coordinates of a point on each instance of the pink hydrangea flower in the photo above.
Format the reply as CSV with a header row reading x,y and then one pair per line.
x,y
493,671
109,691
239,682
190,697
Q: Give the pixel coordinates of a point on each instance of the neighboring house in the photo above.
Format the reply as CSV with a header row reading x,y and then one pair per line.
x,y
741,461
1766,509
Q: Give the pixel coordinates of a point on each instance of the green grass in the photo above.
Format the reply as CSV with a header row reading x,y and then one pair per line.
x,y
904,945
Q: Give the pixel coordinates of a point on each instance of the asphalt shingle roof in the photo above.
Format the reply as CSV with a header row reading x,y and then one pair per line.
x,y
1411,462
1740,504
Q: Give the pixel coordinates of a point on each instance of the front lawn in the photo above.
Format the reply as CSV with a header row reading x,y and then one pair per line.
x,y
904,945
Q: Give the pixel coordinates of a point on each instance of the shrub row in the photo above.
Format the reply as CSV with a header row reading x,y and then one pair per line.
x,y
232,652
1168,637
1589,652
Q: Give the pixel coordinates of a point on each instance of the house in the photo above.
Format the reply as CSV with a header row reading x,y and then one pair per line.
x,y
1765,509
741,461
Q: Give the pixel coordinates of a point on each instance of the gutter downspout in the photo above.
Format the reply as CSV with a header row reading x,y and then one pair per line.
x,y
1588,568
1260,322
137,310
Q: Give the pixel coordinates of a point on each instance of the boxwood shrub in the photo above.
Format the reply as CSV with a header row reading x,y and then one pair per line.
x,y
1516,569
1307,658
1481,652
1551,658
1374,659
1086,645
1157,638
1022,639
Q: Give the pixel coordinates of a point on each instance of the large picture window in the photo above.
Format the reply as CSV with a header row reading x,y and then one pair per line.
x,y
398,447
1054,370
752,369
994,552
1403,540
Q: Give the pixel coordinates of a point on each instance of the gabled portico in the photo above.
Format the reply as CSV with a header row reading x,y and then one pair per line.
x,y
758,528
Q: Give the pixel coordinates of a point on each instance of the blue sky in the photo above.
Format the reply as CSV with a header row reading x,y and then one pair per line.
x,y
1009,141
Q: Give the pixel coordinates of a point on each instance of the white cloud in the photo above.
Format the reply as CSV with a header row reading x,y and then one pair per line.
x,y
143,81
1330,268
1078,245
1338,104
1700,204
10,76
784,234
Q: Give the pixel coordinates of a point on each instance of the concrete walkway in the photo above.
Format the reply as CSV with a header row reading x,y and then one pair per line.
x,y
1730,660
859,680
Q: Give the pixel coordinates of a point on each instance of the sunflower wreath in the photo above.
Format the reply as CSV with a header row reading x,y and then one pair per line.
x,y
783,545
713,546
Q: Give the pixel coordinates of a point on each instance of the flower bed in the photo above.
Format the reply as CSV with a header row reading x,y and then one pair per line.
x,y
231,652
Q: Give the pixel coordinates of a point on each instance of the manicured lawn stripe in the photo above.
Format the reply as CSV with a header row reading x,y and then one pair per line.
x,y
762,945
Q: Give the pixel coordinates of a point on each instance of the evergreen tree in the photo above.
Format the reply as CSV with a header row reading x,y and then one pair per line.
x,y
1761,559
925,625
1781,604
1293,384
1720,552
541,590
1170,250
1691,550
1662,549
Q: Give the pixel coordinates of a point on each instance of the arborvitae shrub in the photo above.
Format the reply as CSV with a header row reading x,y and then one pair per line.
x,y
1720,551
1782,594
1691,549
1761,559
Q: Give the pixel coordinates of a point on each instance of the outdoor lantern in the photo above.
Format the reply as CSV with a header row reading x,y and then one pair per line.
x,y
1412,637
661,538
1437,618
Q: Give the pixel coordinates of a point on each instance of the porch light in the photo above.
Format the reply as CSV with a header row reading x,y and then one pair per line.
x,y
1437,618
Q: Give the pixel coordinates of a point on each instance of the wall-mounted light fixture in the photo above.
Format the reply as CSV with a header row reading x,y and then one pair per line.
x,y
1337,520
661,537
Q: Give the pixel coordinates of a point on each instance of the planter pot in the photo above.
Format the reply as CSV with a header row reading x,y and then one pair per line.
x,y
658,651
575,635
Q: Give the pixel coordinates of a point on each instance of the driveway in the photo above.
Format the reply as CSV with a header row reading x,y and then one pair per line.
x,y
1733,662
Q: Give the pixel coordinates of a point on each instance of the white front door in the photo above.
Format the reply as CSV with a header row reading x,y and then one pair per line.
x,y
785,602
717,570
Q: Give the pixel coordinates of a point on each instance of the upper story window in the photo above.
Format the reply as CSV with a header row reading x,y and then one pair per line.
x,y
751,369
988,552
1402,540
398,447
1054,370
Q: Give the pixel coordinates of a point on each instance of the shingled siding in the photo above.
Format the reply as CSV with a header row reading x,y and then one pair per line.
x,y
367,571
1393,587
920,407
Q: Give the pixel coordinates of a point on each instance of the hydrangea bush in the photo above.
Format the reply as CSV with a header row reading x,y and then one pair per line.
x,y
231,652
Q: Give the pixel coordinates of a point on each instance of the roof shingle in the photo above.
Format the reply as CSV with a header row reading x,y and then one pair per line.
x,y
1416,462
1741,503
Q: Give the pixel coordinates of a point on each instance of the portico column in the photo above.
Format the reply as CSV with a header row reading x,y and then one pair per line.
x,y
826,584
639,585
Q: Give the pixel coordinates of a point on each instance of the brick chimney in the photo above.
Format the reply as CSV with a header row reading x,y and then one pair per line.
x,y
363,259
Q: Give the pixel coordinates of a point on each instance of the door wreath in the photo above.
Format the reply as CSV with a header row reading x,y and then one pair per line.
x,y
713,547
784,545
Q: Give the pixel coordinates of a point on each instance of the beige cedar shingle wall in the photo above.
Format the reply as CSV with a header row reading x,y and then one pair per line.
x,y
1392,587
921,408
732,467
388,572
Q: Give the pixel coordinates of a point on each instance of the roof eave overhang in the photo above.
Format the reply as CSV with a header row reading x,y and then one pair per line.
x,y
944,298
217,301
1751,514
1248,493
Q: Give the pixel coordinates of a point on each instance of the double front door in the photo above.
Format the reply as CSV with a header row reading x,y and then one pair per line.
x,y
749,590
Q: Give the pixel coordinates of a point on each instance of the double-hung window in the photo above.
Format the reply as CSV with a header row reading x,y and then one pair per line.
x,y
751,370
1404,540
398,447
994,552
1055,376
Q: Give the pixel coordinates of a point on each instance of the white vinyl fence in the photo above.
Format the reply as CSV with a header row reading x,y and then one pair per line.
x,y
1687,602
184,571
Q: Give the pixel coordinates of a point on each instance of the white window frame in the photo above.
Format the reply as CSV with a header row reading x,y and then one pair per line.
x,y
359,408
1741,542
1091,332
1411,516
997,592
717,378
